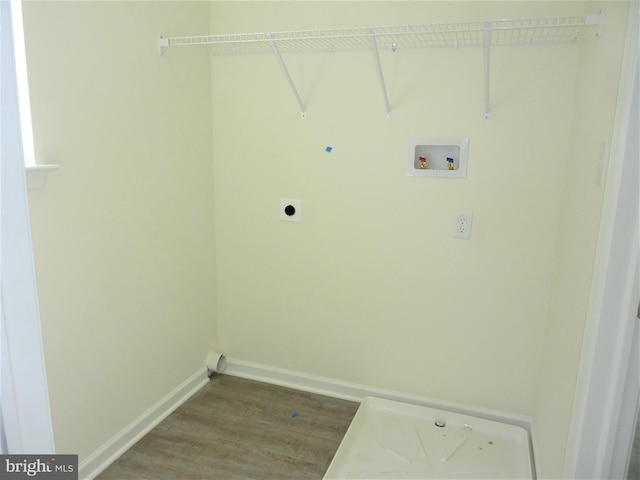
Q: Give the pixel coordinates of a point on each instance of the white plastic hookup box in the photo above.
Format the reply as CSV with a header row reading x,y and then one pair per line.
x,y
438,157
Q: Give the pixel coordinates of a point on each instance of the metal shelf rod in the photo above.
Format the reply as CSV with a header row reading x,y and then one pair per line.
x,y
303,110
376,58
487,64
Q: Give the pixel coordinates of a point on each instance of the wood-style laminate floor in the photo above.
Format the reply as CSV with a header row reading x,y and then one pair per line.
x,y
235,428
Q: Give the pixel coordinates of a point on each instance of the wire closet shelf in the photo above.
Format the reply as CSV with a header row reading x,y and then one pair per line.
x,y
484,33
515,31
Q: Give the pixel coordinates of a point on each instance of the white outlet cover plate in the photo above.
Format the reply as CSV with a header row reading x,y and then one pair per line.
x,y
295,203
463,221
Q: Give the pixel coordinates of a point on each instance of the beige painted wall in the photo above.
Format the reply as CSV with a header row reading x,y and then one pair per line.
x,y
370,287
596,90
123,232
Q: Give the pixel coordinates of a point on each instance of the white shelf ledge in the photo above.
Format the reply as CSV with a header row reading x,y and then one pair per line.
x,y
37,175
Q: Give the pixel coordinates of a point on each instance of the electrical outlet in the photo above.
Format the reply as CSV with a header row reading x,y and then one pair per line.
x,y
463,225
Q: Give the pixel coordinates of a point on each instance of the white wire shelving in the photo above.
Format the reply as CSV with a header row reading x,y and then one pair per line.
x,y
477,33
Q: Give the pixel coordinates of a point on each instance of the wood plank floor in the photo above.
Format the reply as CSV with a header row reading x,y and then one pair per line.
x,y
235,428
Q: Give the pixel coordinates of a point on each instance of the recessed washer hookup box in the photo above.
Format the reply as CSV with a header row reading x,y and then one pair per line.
x,y
438,157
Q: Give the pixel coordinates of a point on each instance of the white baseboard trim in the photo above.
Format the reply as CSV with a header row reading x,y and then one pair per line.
x,y
357,392
99,460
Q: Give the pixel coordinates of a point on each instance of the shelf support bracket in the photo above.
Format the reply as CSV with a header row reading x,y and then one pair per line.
x,y
487,76
276,51
162,43
595,19
376,58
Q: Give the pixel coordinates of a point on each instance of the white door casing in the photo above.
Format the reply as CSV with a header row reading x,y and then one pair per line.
x,y
26,418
